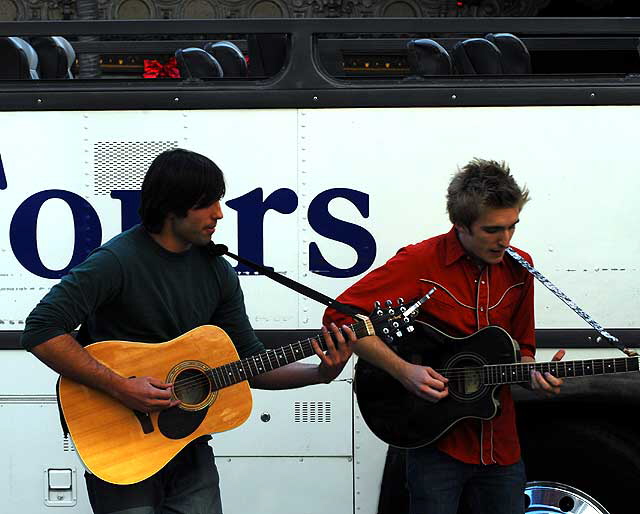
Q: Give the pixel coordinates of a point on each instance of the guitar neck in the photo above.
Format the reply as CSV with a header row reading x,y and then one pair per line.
x,y
268,360
497,374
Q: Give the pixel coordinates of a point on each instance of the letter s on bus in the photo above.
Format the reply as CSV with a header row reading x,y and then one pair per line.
x,y
352,235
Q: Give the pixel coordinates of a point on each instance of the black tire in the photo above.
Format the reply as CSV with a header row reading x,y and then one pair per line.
x,y
601,459
598,458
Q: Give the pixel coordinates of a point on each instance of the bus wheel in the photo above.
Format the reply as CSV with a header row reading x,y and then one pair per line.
x,y
600,458
556,498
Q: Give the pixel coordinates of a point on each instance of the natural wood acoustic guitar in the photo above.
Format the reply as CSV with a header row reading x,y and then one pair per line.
x,y
123,446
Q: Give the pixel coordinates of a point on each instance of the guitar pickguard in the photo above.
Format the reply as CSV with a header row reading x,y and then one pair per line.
x,y
177,423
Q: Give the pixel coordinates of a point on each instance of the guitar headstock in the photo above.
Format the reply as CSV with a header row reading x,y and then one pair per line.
x,y
394,321
390,322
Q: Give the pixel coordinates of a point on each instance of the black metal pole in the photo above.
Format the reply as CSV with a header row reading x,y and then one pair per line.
x,y
89,64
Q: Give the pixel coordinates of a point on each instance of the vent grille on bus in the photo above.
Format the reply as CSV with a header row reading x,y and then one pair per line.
x,y
122,164
67,444
312,412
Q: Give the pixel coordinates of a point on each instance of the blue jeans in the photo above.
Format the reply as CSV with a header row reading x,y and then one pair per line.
x,y
436,482
188,484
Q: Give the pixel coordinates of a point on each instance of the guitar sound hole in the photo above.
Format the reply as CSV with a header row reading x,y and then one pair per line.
x,y
465,379
191,387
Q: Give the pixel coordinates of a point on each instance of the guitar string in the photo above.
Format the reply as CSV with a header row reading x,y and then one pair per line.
x,y
597,364
200,380
488,373
219,376
270,354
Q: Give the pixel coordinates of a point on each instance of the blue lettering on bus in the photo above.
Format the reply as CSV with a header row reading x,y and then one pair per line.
x,y
352,235
3,177
251,209
23,236
129,203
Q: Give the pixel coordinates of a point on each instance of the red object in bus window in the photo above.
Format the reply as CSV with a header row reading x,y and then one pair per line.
x,y
154,69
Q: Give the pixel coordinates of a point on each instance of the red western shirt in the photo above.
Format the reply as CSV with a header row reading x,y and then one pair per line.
x,y
467,299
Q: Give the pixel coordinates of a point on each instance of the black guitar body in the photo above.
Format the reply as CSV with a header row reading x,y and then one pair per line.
x,y
402,419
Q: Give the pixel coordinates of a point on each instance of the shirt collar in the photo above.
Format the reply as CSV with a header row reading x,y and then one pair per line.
x,y
453,250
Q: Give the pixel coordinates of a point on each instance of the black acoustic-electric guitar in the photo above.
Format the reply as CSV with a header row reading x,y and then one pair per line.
x,y
476,366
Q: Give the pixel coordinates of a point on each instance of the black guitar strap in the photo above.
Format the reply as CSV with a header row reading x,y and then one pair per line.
x,y
614,341
217,250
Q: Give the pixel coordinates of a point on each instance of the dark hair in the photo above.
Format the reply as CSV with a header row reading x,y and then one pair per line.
x,y
178,180
479,185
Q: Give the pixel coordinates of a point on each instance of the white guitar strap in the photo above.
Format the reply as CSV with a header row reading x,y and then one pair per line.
x,y
614,341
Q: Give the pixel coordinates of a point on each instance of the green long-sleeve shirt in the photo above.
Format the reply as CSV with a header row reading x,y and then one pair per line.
x,y
132,289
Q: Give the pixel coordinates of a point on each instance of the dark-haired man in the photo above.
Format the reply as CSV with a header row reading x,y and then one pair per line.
x,y
151,284
477,286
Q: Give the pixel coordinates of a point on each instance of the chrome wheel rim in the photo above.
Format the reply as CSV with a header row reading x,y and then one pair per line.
x,y
557,498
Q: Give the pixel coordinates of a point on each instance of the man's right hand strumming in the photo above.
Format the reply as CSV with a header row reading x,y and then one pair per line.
x,y
145,394
424,382
67,357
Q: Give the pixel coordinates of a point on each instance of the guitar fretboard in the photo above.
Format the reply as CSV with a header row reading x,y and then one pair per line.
x,y
238,371
497,374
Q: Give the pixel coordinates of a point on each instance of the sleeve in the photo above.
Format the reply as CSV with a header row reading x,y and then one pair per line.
x,y
71,301
231,314
397,278
523,320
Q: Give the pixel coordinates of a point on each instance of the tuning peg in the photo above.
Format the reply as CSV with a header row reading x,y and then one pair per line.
x,y
395,324
403,308
376,304
400,301
385,331
406,320
410,329
389,303
399,333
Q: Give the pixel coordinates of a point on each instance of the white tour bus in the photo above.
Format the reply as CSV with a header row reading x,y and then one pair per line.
x,y
339,139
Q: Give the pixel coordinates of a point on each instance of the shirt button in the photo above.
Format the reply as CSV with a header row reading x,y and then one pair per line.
x,y
481,309
482,282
